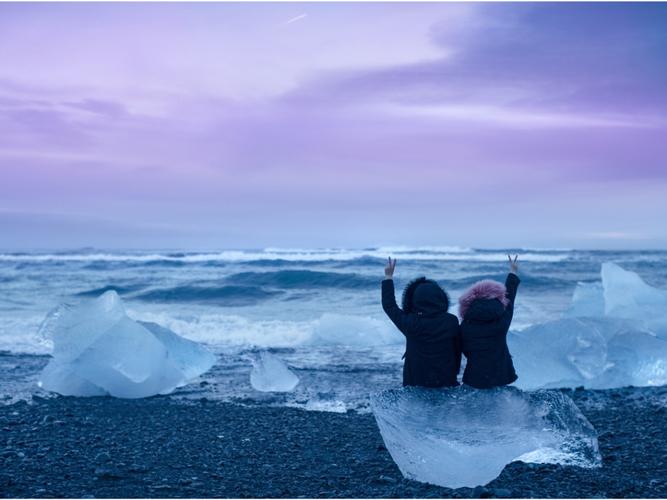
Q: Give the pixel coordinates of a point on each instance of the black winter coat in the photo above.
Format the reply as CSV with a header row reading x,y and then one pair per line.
x,y
433,340
484,334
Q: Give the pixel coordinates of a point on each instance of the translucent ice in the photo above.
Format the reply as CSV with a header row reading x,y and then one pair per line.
x,y
622,294
587,300
464,437
270,374
99,350
614,334
591,352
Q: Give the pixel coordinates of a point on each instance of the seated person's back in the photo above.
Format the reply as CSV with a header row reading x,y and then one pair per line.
x,y
433,341
486,311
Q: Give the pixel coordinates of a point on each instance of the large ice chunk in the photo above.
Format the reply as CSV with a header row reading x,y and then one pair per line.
x,y
464,437
270,374
99,350
587,300
592,352
614,334
622,294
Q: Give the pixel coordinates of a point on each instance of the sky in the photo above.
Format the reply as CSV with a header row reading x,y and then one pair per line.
x,y
248,125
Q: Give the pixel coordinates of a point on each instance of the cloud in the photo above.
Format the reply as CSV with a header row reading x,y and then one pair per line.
x,y
108,109
538,103
589,61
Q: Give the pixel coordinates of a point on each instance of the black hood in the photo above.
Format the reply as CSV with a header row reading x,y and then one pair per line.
x,y
424,296
485,310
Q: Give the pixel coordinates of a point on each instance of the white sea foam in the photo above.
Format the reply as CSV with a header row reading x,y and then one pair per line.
x,y
20,335
295,255
347,330
225,330
399,249
329,329
336,406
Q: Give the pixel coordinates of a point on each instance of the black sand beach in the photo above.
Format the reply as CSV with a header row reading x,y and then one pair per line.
x,y
162,447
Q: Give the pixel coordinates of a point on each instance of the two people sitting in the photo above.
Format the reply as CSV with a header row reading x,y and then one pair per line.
x,y
435,340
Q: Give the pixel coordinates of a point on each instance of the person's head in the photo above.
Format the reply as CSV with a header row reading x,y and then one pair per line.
x,y
484,300
424,296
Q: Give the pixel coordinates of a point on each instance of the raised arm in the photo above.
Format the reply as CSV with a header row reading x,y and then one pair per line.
x,y
512,285
402,321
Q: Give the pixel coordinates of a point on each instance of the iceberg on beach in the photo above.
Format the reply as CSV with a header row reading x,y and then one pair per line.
x,y
614,334
270,374
464,437
99,350
597,353
587,301
622,294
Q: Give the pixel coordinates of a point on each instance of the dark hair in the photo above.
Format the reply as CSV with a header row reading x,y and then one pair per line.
x,y
408,293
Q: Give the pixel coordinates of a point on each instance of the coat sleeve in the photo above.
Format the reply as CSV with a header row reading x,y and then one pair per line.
x,y
404,322
512,285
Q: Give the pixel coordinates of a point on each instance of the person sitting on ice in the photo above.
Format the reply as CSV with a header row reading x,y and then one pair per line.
x,y
486,310
433,341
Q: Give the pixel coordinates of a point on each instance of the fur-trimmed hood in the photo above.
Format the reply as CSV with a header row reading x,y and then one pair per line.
x,y
485,290
424,296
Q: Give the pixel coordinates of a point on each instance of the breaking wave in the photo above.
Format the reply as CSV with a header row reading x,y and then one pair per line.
x,y
120,290
222,295
289,255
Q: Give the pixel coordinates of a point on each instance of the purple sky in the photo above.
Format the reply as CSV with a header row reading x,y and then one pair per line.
x,y
298,124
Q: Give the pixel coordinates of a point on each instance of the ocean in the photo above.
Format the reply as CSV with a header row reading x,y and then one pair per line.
x,y
317,309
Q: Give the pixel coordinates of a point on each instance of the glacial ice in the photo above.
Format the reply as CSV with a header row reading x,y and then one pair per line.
x,y
622,294
464,437
270,374
613,335
99,350
587,300
597,353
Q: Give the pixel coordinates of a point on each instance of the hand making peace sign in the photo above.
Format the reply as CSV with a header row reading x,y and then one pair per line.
x,y
389,268
514,267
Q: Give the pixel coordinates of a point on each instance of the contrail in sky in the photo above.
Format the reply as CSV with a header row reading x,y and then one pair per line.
x,y
295,19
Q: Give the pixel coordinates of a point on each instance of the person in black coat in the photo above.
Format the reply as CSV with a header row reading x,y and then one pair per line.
x,y
486,311
433,341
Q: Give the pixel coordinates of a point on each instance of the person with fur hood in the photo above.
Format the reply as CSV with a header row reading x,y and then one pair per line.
x,y
486,310
432,337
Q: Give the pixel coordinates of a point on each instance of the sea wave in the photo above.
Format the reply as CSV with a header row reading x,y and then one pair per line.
x,y
120,290
302,278
294,255
227,295
535,282
395,249
330,329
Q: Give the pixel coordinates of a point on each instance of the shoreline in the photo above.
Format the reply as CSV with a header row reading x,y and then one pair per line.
x,y
162,447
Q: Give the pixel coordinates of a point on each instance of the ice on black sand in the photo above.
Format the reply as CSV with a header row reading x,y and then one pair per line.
x,y
99,350
463,437
270,374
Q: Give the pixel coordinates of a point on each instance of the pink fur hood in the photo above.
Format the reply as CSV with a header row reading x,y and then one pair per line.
x,y
485,289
